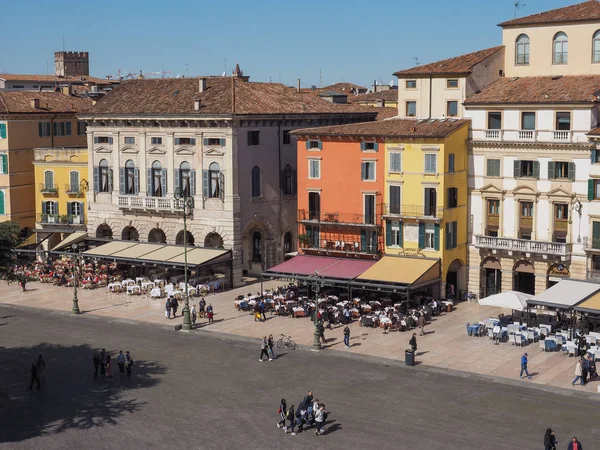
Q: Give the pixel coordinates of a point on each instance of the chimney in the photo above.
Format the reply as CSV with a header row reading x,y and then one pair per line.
x,y
66,89
197,104
202,85
298,85
35,103
374,85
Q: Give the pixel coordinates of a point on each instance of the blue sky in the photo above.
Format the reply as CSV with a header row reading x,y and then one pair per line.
x,y
348,40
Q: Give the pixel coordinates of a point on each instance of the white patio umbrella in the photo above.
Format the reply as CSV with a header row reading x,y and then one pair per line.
x,y
509,300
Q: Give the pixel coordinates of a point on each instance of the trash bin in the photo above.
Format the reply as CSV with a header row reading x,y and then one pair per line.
x,y
409,357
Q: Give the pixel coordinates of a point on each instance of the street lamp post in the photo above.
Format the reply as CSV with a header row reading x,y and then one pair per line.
x,y
186,202
316,283
76,256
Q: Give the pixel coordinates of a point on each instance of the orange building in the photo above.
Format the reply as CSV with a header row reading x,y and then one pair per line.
x,y
340,195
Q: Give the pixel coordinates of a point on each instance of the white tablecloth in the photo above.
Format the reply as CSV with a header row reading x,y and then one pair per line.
x,y
147,284
126,282
111,286
156,293
133,289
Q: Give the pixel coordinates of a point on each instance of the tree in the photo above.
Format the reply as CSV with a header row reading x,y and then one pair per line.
x,y
8,241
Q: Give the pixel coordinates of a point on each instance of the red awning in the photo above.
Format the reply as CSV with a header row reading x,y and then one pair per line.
x,y
305,265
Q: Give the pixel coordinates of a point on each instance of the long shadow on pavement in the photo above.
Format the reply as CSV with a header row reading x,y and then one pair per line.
x,y
69,397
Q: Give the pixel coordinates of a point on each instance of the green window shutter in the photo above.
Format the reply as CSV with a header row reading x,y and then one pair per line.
x,y
363,171
205,141
388,233
436,237
67,128
122,180
536,169
40,128
4,163
307,142
551,171
400,235
44,208
363,240
363,146
595,234
376,147
176,178
2,212
193,182
222,142
572,171
591,189
2,131
205,183
163,182
593,156
517,169
96,179
136,181
320,145
421,235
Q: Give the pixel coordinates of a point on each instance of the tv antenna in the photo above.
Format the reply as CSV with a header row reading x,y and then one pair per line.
x,y
518,6
416,59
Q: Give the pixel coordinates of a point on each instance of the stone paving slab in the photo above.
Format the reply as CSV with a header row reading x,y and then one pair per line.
x,y
446,344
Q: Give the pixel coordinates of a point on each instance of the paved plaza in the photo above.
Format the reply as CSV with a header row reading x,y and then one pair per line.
x,y
445,346
207,390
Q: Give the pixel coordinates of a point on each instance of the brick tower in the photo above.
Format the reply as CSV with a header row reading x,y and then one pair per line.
x,y
71,64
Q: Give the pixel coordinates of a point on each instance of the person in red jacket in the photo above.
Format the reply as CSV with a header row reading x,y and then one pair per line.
x,y
575,445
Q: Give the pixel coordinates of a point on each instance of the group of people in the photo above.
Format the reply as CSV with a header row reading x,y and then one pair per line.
x,y
103,362
266,348
172,305
550,441
585,370
310,412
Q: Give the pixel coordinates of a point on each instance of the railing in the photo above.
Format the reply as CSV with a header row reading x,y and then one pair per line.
x,y
591,243
495,135
72,189
512,135
562,136
526,135
348,219
48,188
155,203
522,245
593,274
414,211
332,245
62,219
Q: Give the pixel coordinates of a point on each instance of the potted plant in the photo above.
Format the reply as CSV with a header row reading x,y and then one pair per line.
x,y
304,240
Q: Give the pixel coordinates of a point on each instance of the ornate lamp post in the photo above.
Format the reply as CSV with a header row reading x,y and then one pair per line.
x,y
316,283
186,202
75,309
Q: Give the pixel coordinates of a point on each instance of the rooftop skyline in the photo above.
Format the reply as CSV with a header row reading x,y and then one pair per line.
x,y
315,41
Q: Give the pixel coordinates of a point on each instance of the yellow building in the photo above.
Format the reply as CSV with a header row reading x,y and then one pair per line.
x,y
425,196
29,120
60,192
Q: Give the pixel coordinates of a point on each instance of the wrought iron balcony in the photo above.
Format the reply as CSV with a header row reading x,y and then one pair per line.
x,y
336,218
590,244
46,188
135,202
62,219
413,212
73,189
329,246
523,245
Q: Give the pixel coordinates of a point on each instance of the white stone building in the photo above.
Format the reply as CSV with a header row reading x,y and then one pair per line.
x,y
224,140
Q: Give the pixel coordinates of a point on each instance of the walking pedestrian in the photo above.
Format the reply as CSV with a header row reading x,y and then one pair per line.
x,y
321,330
282,413
34,376
347,336
524,361
174,306
96,364
261,309
210,313
128,362
421,323
320,419
168,306
575,444
413,342
271,344
290,416
578,374
263,349
41,367
103,363
585,368
202,307
194,316
24,283
108,368
121,362
550,440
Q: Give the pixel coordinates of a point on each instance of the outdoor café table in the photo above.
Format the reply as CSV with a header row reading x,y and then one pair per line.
x,y
133,289
595,352
298,312
595,334
366,308
342,304
355,313
111,286
126,282
156,293
147,284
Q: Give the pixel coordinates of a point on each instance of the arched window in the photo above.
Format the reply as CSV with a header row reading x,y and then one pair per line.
x,y
130,178
256,191
157,235
287,242
523,50
213,181
288,182
561,48
104,177
130,234
157,180
596,47
256,247
104,231
185,178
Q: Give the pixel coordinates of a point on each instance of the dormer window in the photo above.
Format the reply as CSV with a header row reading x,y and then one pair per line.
x,y
314,145
561,49
522,50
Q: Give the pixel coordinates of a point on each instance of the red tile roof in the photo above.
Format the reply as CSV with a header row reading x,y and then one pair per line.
x,y
54,79
536,90
391,95
50,102
459,65
588,10
177,95
385,112
346,88
392,128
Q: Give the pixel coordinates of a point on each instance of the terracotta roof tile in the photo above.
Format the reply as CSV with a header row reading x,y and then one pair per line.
x,y
545,90
54,79
177,95
594,132
389,95
50,102
588,10
385,112
457,65
391,128
347,88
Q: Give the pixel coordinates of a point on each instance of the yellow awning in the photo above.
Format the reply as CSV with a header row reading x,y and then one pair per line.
x,y
198,256
73,238
591,304
402,270
137,251
109,248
